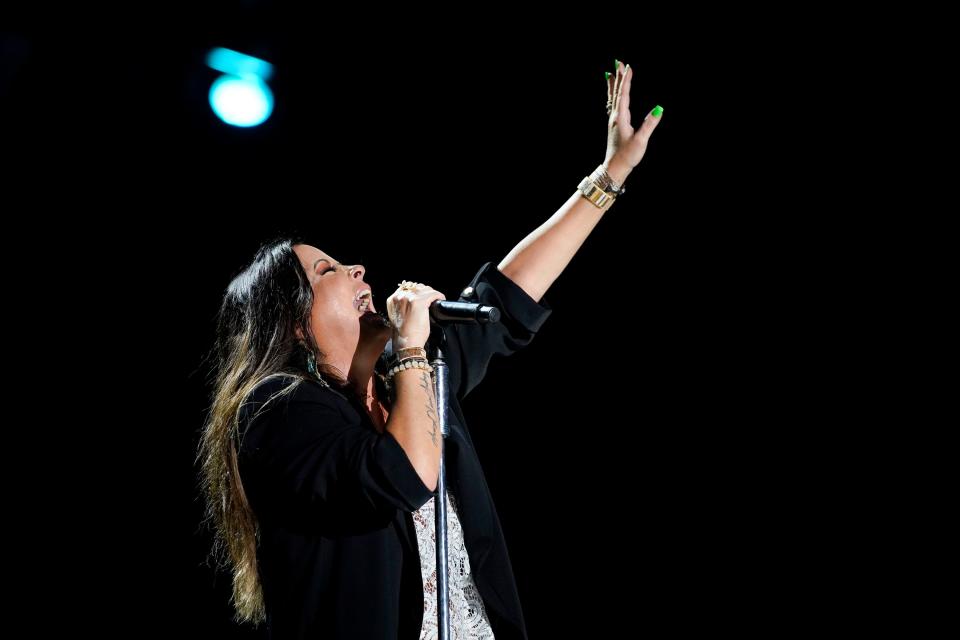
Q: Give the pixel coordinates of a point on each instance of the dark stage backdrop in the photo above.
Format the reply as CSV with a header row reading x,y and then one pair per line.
x,y
633,415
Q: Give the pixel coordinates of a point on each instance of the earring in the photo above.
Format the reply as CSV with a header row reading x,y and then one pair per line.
x,y
312,364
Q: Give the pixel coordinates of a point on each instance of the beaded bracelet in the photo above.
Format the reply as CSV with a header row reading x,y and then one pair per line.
x,y
411,363
398,361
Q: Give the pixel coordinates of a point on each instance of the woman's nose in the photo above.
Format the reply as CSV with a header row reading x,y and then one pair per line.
x,y
357,271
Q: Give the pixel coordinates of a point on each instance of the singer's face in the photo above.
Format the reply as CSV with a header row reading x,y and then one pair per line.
x,y
337,316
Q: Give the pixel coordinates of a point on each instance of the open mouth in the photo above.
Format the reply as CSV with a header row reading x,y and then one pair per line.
x,y
364,302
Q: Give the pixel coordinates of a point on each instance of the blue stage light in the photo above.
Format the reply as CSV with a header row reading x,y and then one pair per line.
x,y
241,96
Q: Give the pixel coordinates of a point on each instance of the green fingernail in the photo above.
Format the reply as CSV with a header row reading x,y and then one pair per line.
x,y
616,64
657,110
606,74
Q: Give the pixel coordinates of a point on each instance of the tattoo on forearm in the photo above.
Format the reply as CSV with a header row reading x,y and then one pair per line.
x,y
431,408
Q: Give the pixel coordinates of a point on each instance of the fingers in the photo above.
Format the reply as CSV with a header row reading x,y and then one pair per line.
x,y
620,111
409,312
650,123
616,85
410,290
417,291
611,79
623,100
410,300
427,296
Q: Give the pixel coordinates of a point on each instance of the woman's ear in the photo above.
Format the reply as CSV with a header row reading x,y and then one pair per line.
x,y
299,333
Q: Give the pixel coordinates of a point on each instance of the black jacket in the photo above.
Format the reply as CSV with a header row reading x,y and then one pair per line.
x,y
338,554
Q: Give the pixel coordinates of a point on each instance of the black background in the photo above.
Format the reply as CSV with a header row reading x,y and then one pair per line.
x,y
653,410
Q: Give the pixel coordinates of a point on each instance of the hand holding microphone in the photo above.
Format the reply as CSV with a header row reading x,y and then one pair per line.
x,y
440,311
409,313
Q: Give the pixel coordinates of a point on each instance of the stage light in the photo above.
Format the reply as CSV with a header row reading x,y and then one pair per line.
x,y
241,96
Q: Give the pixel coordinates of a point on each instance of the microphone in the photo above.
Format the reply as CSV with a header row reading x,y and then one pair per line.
x,y
446,311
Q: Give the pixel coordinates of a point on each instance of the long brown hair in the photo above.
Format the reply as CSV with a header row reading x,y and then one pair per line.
x,y
263,329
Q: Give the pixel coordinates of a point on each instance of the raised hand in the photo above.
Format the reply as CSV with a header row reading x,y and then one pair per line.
x,y
625,146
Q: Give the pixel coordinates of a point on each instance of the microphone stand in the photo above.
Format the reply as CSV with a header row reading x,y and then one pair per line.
x,y
441,387
435,354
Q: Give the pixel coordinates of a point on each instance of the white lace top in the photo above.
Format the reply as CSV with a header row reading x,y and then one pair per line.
x,y
468,620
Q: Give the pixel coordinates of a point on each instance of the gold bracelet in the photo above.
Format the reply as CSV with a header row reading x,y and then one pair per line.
x,y
406,351
605,182
409,353
589,189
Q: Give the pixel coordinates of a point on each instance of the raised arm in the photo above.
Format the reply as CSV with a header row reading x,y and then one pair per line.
x,y
542,255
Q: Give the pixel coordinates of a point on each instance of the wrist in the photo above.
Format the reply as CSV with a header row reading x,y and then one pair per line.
x,y
401,342
618,170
